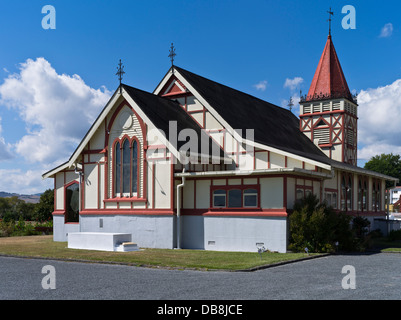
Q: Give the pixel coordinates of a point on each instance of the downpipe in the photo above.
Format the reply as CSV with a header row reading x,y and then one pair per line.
x,y
180,186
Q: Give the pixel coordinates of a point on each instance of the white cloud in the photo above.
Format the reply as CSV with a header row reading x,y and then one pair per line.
x,y
261,85
379,124
293,83
5,149
57,109
386,31
24,182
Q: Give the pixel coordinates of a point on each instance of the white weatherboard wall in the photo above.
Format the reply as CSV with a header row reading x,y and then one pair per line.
x,y
147,231
234,233
61,229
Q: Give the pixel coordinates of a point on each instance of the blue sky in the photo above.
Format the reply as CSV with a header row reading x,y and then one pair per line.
x,y
253,46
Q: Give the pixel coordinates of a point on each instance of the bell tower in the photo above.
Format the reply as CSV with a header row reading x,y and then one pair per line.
x,y
328,113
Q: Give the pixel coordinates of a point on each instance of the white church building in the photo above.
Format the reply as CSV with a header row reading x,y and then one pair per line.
x,y
196,164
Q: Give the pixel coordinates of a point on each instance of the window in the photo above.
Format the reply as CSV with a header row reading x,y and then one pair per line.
x,y
362,194
300,194
126,168
343,194
250,198
72,203
219,198
374,196
331,199
377,204
235,197
303,191
346,193
349,194
134,167
365,197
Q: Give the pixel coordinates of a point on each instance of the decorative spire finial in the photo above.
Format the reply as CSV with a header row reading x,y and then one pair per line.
x,y
331,13
290,104
172,54
120,72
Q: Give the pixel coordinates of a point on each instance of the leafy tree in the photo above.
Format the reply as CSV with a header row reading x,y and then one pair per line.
x,y
45,207
4,207
388,164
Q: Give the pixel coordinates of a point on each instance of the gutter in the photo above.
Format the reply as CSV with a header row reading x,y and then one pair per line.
x,y
254,172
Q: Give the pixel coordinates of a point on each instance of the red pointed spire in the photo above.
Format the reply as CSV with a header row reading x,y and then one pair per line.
x,y
329,81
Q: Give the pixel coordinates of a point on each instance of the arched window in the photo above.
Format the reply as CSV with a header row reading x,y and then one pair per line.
x,y
117,168
365,197
343,194
349,194
134,166
360,195
374,196
378,197
126,169
72,203
346,193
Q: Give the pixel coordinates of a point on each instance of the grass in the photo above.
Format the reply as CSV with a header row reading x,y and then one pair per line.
x,y
44,246
384,245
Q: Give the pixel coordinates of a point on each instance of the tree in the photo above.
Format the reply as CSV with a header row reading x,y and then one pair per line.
x,y
45,207
4,207
388,164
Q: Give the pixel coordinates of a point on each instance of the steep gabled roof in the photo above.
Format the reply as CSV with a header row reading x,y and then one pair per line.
x,y
329,81
161,111
156,110
273,126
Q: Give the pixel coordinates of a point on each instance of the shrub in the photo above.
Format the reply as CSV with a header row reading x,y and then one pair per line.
x,y
318,227
394,235
6,228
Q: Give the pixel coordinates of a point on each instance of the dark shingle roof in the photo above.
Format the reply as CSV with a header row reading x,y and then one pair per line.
x,y
273,126
161,111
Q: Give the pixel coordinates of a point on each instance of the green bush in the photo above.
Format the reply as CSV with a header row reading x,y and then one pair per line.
x,y
394,235
20,228
319,228
6,228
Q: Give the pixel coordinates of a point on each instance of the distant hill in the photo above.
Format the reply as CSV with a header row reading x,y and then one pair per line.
x,y
30,198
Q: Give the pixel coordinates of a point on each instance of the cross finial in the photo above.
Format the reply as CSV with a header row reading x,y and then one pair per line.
x,y
331,13
290,104
172,54
120,72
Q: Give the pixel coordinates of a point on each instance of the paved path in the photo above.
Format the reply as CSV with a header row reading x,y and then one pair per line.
x,y
377,276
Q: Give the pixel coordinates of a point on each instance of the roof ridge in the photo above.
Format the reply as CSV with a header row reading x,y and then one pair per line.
x,y
231,88
150,93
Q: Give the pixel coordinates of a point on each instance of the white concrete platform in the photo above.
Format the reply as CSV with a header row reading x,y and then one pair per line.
x,y
102,241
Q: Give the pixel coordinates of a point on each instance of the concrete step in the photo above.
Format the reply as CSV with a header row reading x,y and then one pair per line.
x,y
127,246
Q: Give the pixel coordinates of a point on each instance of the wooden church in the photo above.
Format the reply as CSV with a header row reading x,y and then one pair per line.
x,y
235,186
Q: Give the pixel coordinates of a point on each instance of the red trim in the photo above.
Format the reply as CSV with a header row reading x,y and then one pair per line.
x,y
118,199
154,212
242,212
58,213
65,199
141,148
228,187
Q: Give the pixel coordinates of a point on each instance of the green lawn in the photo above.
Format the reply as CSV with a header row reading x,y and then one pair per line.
x,y
384,245
44,246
